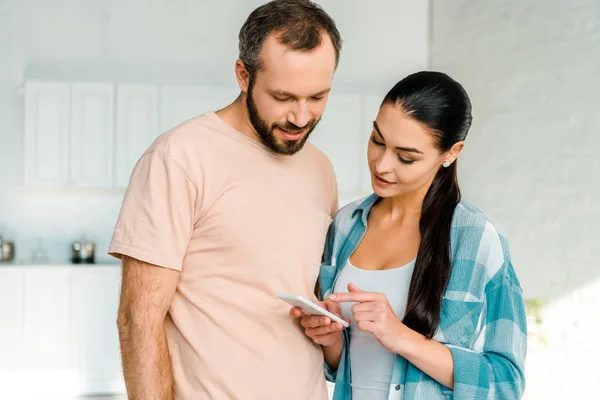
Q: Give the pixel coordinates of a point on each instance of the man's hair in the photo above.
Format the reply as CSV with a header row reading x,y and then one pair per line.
x,y
299,24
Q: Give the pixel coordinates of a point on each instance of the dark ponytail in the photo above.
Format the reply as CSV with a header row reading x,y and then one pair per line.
x,y
442,105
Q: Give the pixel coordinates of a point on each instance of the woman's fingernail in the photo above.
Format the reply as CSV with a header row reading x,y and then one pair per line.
x,y
332,296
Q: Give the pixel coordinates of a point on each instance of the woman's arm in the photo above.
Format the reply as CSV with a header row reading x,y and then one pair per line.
x,y
430,356
374,314
497,368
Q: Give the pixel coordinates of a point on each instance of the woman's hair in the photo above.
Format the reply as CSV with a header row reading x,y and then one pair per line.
x,y
442,105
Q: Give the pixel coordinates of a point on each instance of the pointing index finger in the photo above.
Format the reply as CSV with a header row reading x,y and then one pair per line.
x,y
358,297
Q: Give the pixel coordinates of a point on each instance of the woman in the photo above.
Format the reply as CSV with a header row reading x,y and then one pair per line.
x,y
425,280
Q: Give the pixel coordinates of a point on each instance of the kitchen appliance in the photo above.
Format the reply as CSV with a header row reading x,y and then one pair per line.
x,y
83,252
7,250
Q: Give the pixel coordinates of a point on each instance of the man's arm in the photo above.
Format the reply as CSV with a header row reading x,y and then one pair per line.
x,y
146,295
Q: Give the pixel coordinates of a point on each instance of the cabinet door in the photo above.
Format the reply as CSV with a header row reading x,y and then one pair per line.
x,y
339,136
136,127
180,103
92,132
46,133
95,340
11,309
46,337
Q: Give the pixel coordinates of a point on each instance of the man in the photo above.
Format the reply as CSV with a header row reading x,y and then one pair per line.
x,y
221,214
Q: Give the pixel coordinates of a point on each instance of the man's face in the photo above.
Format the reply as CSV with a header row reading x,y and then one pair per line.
x,y
287,97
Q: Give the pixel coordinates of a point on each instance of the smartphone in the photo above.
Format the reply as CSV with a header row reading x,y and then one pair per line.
x,y
309,307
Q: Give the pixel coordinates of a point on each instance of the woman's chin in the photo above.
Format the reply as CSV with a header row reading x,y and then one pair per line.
x,y
382,192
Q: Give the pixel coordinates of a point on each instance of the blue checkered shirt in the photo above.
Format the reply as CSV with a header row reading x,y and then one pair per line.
x,y
482,318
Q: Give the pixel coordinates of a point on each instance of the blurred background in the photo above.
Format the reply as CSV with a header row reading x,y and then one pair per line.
x,y
85,86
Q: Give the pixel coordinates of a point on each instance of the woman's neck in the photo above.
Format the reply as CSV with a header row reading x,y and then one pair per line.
x,y
405,206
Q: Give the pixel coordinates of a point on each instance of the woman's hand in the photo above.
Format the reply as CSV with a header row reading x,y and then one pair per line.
x,y
374,314
322,330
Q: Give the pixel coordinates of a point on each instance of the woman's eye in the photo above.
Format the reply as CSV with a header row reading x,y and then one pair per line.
x,y
405,161
377,143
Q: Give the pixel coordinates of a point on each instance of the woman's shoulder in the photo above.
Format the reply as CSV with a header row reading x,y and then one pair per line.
x,y
347,214
480,238
467,216
344,221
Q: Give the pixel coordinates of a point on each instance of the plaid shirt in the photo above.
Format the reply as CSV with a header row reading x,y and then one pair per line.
x,y
482,318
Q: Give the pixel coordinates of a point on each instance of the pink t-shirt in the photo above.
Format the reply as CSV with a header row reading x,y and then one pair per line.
x,y
241,223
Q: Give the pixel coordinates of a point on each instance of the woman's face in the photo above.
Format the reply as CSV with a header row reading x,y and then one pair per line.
x,y
402,154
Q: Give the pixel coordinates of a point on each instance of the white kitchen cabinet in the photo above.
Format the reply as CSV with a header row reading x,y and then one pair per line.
x,y
46,344
46,133
58,336
11,332
94,336
90,135
137,127
339,136
92,132
180,103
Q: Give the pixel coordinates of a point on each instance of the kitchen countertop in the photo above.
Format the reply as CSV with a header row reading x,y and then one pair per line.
x,y
18,264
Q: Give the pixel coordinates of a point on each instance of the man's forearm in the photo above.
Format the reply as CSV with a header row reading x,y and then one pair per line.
x,y
146,361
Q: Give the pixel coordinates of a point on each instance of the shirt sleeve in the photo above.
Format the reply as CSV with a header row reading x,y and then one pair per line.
x,y
158,213
495,368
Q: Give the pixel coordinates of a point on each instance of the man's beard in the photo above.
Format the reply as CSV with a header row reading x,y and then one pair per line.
x,y
266,133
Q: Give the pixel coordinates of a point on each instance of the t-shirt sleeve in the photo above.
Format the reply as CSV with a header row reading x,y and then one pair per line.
x,y
158,213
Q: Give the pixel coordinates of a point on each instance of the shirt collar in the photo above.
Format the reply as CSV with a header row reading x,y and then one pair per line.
x,y
365,207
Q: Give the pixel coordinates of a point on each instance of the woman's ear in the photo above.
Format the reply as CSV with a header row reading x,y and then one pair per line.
x,y
452,154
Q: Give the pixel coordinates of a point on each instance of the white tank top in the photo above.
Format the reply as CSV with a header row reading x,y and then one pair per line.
x,y
372,364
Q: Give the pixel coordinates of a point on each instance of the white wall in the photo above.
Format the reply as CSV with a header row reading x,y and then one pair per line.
x,y
174,42
531,160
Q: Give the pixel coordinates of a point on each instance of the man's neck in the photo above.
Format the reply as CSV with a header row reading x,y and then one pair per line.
x,y
236,116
